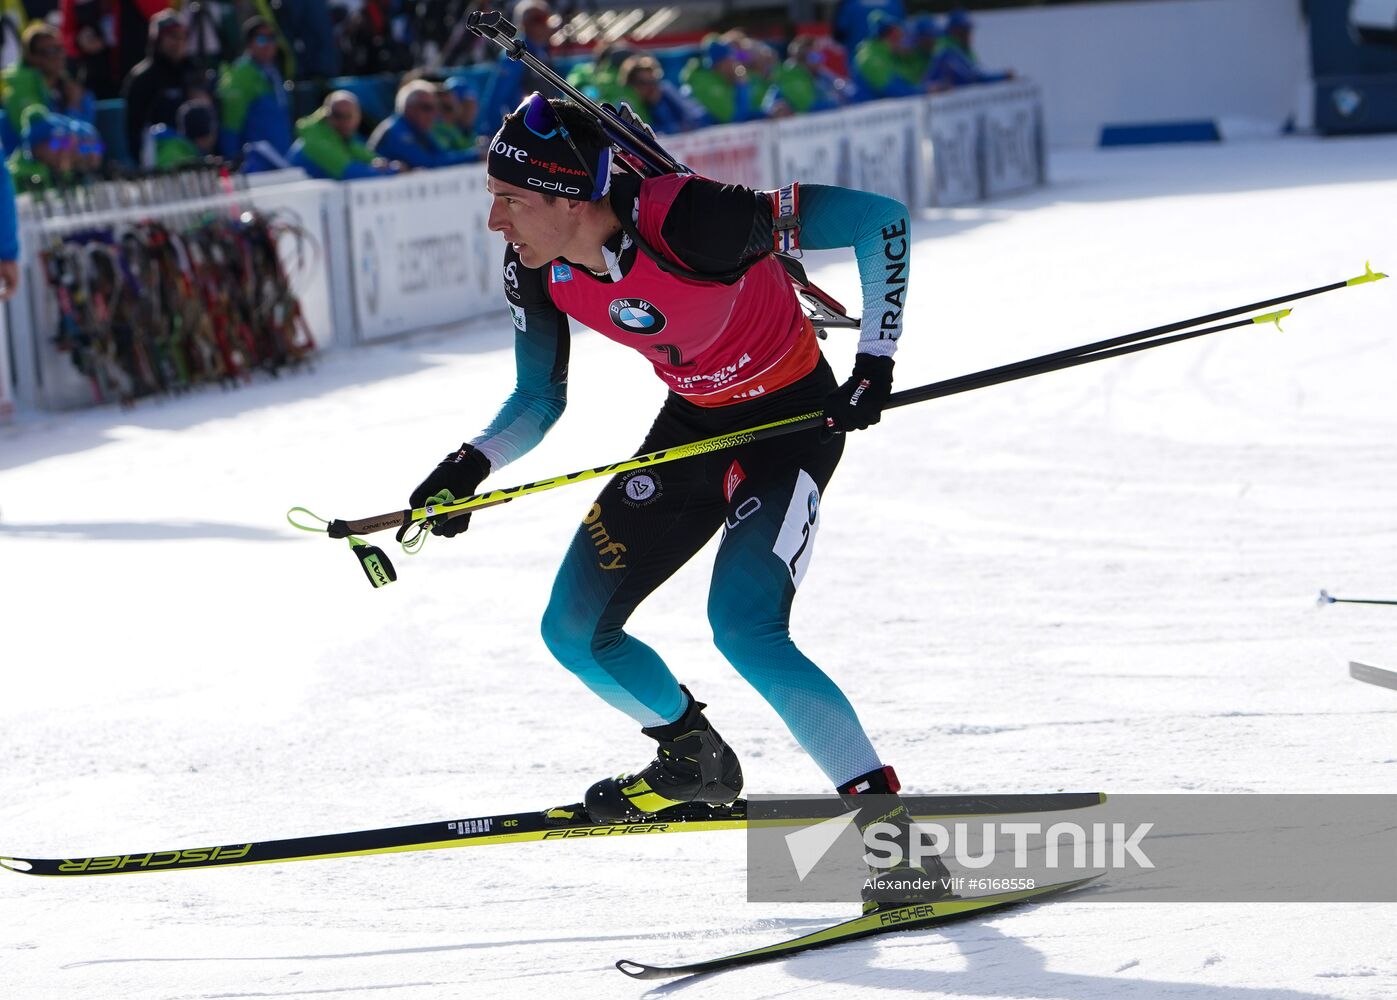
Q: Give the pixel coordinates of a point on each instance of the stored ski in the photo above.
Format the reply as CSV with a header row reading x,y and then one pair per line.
x,y
907,918
1372,675
511,828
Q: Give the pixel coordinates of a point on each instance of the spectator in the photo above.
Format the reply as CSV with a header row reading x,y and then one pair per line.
x,y
923,35
310,36
193,139
459,107
162,81
850,25
599,78
955,63
513,81
253,96
107,38
654,99
366,41
329,146
876,61
803,83
9,238
40,78
46,156
760,61
717,81
215,36
88,149
406,136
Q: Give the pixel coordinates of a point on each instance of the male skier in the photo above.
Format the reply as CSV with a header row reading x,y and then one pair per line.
x,y
680,268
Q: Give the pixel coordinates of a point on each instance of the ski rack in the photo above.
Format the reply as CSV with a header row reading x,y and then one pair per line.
x,y
822,309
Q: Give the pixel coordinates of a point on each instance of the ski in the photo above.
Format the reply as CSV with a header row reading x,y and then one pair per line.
x,y
549,825
1372,675
907,918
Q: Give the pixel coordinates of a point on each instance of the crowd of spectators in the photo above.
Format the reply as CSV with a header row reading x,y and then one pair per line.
x,y
213,79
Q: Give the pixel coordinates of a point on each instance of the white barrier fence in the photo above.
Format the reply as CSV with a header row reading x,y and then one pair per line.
x,y
407,253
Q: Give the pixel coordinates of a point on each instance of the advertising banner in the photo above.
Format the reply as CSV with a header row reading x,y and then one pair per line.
x,y
812,149
884,149
417,242
953,130
734,154
1012,148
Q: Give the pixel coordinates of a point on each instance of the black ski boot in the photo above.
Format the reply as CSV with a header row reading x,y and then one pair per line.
x,y
693,765
875,796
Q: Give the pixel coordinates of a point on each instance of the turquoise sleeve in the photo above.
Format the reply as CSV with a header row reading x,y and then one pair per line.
x,y
541,385
877,228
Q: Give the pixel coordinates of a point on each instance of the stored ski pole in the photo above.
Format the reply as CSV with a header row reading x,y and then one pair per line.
x,y
1325,598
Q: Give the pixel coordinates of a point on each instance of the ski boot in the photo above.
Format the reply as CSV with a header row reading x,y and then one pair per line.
x,y
875,797
693,765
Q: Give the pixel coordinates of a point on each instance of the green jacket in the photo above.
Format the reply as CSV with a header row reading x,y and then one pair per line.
x,y
451,138
795,85
328,152
590,78
173,149
29,174
878,67
252,109
25,87
912,65
723,101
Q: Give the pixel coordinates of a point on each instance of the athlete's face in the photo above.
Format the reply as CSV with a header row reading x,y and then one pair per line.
x,y
538,230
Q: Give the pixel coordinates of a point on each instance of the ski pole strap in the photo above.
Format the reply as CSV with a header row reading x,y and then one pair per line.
x,y
335,529
294,512
785,219
374,562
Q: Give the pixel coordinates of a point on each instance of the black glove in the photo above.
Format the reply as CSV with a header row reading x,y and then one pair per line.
x,y
859,402
455,478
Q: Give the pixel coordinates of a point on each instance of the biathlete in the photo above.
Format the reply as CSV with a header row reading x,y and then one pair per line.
x,y
681,269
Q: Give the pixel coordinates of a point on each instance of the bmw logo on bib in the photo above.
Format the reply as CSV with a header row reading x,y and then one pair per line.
x,y
636,316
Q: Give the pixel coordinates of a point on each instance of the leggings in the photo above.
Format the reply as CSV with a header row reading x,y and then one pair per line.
x,y
645,524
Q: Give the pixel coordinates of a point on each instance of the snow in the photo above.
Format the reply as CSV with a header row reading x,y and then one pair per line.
x,y
1100,579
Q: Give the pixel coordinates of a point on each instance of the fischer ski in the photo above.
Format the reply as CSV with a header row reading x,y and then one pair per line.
x,y
549,825
907,918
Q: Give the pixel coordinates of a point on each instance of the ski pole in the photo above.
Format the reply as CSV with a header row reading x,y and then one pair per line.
x,y
1055,361
1325,598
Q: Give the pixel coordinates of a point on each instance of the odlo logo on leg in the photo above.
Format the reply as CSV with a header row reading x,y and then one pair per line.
x,y
605,546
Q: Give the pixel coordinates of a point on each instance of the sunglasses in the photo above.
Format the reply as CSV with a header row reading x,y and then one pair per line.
x,y
44,51
542,121
261,39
